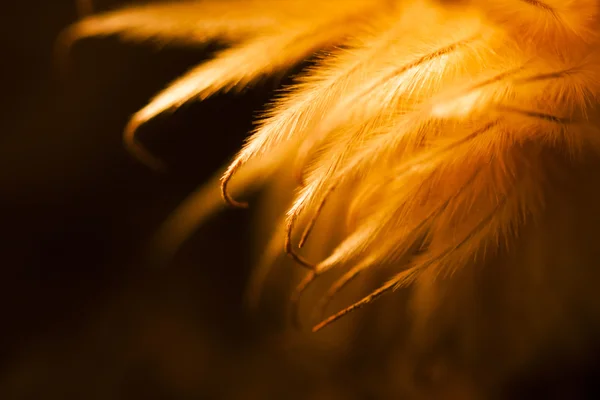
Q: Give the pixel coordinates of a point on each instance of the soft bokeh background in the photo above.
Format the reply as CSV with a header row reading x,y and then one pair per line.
x,y
82,314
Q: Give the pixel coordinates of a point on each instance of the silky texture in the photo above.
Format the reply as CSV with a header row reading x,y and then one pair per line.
x,y
446,148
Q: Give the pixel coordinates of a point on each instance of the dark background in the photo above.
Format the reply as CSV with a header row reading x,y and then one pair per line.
x,y
83,315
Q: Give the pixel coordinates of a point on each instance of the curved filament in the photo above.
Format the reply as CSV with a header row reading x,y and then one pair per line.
x,y
405,277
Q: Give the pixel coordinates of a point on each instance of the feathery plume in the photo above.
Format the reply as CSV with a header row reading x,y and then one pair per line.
x,y
435,126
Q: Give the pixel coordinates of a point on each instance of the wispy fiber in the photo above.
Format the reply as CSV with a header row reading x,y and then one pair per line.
x,y
435,126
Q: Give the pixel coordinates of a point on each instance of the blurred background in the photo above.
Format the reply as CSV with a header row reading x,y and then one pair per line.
x,y
83,315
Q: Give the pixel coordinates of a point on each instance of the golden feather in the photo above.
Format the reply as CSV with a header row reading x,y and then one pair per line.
x,y
442,131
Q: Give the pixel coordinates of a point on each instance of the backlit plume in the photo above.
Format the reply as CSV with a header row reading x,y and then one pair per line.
x,y
450,147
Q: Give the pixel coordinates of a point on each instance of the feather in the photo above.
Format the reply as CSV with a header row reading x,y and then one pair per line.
x,y
287,44
191,22
503,94
224,73
296,113
431,128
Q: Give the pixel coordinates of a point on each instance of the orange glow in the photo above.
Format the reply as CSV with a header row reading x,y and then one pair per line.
x,y
434,128
363,113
